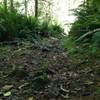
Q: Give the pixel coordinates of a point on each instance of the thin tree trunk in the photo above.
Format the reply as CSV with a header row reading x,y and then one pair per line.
x,y
5,5
36,8
26,7
11,5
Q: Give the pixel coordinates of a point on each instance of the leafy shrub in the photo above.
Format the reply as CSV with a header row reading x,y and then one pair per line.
x,y
49,29
67,43
88,19
70,46
14,25
95,42
55,30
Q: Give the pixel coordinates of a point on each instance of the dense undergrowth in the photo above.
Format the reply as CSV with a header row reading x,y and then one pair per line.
x,y
84,35
14,25
83,42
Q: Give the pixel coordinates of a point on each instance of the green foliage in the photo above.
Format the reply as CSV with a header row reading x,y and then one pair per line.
x,y
96,39
97,90
55,30
50,29
40,79
95,43
88,19
14,25
68,44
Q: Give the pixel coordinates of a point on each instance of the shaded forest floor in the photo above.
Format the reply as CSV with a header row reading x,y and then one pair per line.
x,y
43,71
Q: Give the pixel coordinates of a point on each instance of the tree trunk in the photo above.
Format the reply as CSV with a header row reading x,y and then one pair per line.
x,y
5,5
36,8
11,5
26,7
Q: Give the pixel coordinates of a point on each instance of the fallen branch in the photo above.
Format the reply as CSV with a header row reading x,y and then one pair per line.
x,y
88,33
63,90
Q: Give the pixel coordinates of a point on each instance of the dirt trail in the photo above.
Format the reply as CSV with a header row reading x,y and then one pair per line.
x,y
45,72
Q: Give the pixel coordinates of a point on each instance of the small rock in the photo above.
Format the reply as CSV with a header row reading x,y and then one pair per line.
x,y
45,49
65,96
87,93
31,98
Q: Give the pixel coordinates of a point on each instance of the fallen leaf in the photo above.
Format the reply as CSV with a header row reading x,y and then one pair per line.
x,y
7,94
7,87
31,98
65,96
23,85
89,83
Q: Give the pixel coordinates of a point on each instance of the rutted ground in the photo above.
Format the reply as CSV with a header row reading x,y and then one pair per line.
x,y
44,72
